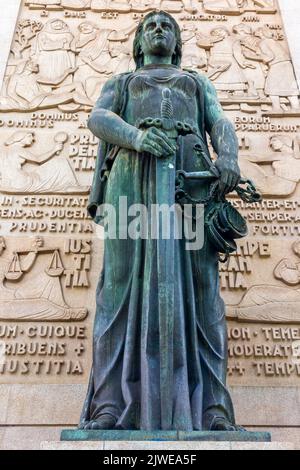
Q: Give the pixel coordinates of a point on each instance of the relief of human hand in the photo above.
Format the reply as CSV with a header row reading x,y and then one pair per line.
x,y
156,142
58,148
230,175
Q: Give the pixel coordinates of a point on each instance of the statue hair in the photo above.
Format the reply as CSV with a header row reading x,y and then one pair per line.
x,y
138,55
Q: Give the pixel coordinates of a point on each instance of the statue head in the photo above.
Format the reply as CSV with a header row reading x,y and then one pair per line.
x,y
56,26
157,34
264,32
242,29
87,27
38,242
219,33
279,143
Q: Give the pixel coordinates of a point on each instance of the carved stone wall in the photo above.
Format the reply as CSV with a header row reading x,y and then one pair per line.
x,y
62,53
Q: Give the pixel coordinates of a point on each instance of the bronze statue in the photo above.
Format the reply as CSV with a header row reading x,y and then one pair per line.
x,y
160,341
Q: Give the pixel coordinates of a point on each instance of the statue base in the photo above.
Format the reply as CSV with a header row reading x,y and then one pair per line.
x,y
204,436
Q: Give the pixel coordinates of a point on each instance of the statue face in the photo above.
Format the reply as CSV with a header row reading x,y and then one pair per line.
x,y
243,30
219,33
38,242
276,144
158,36
86,28
57,25
32,66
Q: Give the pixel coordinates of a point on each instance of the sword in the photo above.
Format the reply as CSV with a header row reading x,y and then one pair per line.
x,y
165,194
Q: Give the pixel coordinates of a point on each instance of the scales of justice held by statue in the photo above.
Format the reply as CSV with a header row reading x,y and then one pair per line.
x,y
160,340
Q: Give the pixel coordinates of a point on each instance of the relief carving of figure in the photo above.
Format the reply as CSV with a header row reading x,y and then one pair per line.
x,y
281,80
285,165
141,5
194,48
68,4
99,55
254,70
223,68
237,7
76,4
42,3
48,173
39,297
24,91
267,303
53,51
176,6
122,6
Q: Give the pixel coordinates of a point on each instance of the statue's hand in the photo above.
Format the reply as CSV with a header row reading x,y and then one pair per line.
x,y
230,175
156,142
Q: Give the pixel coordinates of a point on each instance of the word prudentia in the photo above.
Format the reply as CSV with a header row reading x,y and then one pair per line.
x,y
55,227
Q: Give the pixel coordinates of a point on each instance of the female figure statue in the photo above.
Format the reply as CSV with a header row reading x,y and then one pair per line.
x,y
127,385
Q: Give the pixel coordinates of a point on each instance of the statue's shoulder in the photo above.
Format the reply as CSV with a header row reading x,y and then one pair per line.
x,y
201,78
116,81
205,84
122,77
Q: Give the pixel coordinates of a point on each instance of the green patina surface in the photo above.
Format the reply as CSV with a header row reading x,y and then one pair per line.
x,y
81,435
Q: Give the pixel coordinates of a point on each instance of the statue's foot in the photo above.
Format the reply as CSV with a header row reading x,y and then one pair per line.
x,y
105,421
219,423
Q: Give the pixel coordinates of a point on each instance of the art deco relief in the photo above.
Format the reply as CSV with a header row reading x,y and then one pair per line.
x,y
67,66
62,53
237,7
273,303
41,297
276,171
52,172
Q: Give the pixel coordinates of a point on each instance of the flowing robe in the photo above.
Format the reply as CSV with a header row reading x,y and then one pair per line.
x,y
125,378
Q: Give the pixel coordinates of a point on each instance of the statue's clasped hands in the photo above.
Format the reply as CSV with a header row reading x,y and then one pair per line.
x,y
156,142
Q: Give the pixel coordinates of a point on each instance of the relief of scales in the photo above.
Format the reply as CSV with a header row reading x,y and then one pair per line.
x,y
40,300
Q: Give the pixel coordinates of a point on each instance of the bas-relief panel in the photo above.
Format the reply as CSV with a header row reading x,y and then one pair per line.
x,y
51,252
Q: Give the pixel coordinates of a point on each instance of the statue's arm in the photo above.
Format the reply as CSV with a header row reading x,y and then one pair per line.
x,y
107,125
111,128
223,139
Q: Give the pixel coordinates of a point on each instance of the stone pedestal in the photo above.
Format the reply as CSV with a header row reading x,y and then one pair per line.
x,y
77,435
164,445
164,441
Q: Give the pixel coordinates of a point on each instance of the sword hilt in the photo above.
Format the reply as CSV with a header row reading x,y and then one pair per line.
x,y
167,111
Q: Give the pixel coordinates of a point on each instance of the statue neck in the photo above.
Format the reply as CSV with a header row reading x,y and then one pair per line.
x,y
157,59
